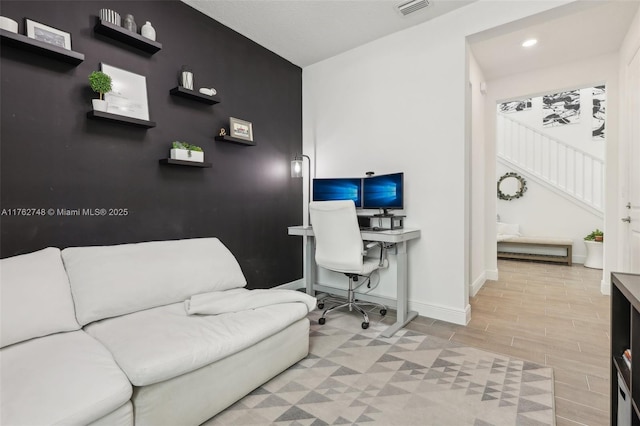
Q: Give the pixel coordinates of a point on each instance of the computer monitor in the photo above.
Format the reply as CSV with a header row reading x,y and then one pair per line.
x,y
338,189
383,192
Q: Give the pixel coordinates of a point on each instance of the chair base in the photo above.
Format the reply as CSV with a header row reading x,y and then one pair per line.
x,y
351,304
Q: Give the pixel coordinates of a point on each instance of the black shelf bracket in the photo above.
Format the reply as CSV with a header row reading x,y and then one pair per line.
x,y
125,36
194,96
172,162
234,140
40,47
99,115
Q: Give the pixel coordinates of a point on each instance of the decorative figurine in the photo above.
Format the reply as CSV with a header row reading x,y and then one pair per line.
x,y
208,92
223,132
130,23
186,78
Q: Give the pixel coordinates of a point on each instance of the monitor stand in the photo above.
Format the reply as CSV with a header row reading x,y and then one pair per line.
x,y
385,213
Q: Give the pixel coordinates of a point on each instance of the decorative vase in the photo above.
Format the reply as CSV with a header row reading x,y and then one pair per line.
x,y
99,105
111,16
187,155
148,31
130,23
186,78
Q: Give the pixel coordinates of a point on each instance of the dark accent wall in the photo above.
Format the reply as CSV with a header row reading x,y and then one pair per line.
x,y
53,157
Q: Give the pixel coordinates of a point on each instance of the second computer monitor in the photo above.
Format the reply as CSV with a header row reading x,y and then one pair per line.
x,y
383,192
338,189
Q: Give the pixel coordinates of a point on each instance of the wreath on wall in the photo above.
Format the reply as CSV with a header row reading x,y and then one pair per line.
x,y
522,186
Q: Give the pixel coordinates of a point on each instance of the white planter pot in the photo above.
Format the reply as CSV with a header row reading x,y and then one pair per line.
x,y
594,254
186,155
99,105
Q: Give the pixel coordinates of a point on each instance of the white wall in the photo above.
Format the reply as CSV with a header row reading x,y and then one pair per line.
x,y
477,232
597,70
536,217
398,104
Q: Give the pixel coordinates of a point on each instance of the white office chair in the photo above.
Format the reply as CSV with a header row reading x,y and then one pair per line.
x,y
339,247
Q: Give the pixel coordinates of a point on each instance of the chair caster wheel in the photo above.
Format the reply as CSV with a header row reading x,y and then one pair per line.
x,y
320,305
322,321
383,312
365,325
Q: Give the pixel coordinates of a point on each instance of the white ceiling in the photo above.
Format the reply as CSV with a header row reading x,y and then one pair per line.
x,y
308,31
577,31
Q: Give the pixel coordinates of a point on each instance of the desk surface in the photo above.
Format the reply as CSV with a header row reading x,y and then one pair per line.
x,y
387,236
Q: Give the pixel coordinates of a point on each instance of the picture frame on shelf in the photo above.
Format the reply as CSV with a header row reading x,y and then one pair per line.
x,y
47,34
128,95
241,129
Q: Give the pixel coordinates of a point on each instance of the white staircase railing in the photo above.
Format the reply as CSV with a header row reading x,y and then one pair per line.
x,y
566,170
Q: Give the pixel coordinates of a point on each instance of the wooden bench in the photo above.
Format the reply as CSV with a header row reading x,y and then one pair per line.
x,y
523,243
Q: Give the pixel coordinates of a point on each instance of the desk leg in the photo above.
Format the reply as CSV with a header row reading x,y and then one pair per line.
x,y
404,316
309,266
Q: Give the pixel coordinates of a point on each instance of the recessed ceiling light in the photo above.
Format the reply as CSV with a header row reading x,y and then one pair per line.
x,y
530,42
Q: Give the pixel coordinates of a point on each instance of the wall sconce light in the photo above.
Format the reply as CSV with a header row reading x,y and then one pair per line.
x,y
297,172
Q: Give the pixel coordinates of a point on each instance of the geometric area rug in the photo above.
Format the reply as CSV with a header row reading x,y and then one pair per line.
x,y
354,376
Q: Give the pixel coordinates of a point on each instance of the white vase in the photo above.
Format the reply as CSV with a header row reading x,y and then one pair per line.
x,y
148,31
99,105
187,155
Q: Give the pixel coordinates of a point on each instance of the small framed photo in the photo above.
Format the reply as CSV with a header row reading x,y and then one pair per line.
x,y
48,34
241,129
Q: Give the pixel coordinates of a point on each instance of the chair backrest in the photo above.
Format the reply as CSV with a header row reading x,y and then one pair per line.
x,y
339,245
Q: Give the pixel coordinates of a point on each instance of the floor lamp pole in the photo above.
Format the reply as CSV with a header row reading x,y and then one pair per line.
x,y
297,170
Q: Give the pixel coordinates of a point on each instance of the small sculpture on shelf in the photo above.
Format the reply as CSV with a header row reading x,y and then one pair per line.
x,y
223,132
110,16
186,77
100,83
207,91
130,23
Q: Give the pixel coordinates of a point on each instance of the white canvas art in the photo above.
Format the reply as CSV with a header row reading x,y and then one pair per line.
x,y
128,94
560,109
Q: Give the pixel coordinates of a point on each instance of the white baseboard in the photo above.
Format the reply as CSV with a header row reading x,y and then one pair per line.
x,y
293,285
442,313
605,287
578,259
477,284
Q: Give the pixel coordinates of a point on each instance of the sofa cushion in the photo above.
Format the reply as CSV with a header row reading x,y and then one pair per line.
x,y
108,281
65,378
161,343
36,298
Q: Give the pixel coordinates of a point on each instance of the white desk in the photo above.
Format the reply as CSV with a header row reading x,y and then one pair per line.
x,y
399,237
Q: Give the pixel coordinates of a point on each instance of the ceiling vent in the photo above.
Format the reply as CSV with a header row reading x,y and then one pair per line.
x,y
409,7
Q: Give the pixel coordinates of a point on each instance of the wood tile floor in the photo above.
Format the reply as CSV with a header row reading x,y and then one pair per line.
x,y
550,314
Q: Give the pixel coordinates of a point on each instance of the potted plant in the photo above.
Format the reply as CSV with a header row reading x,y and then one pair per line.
x,y
596,235
186,152
100,83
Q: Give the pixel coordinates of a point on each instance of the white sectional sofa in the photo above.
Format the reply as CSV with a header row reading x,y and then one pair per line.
x,y
100,335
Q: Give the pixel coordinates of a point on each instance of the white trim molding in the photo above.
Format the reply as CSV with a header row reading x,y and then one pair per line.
x,y
442,313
